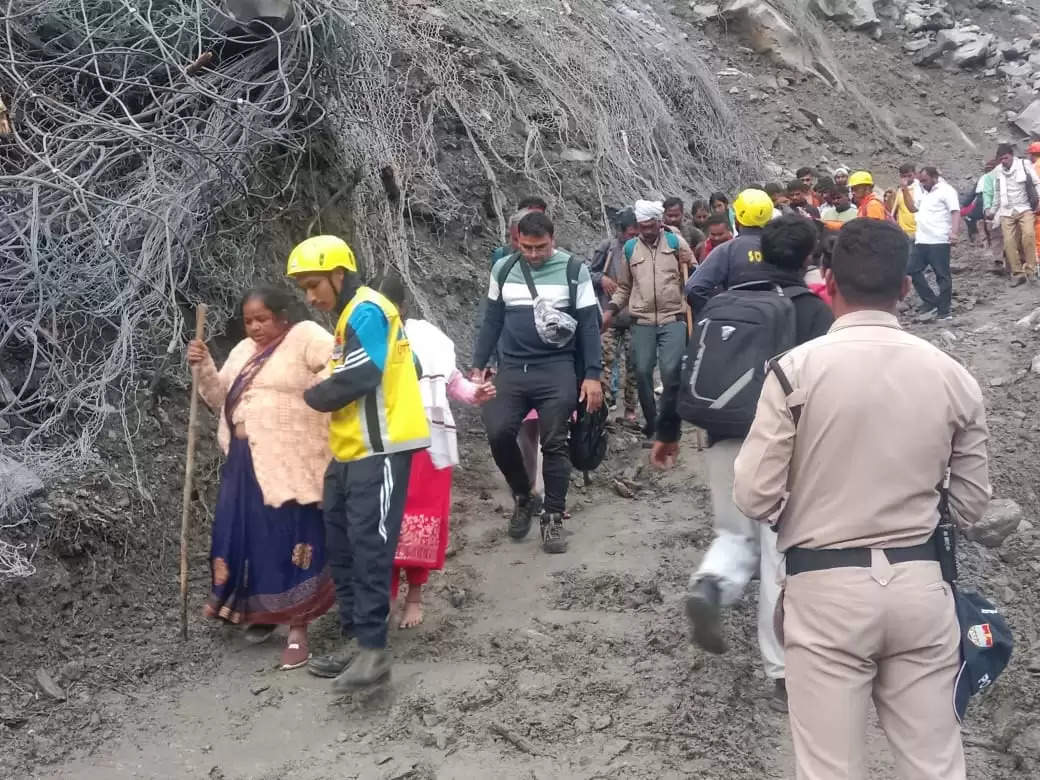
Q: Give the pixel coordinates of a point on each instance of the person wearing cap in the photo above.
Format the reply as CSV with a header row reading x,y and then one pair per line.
x,y
847,466
727,264
1016,202
377,422
650,284
867,202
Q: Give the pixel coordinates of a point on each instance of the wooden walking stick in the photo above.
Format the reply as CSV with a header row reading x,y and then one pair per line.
x,y
189,470
697,433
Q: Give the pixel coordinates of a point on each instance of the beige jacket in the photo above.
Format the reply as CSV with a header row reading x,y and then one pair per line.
x,y
651,283
288,440
884,412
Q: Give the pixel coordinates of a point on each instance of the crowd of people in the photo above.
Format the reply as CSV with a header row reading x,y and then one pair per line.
x,y
755,319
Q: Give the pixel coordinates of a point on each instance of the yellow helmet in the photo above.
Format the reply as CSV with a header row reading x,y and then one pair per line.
x,y
860,178
319,254
753,208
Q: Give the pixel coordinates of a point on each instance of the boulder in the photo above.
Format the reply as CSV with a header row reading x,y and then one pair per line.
x,y
1029,120
913,22
854,14
1016,70
1034,59
1016,49
973,53
1001,519
917,44
769,33
704,11
954,38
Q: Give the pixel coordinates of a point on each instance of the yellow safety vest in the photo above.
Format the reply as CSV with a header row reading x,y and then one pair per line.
x,y
391,419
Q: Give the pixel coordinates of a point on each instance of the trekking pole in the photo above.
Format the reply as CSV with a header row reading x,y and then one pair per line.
x,y
189,470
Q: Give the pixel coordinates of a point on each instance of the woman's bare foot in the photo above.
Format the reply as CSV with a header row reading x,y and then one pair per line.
x,y
413,613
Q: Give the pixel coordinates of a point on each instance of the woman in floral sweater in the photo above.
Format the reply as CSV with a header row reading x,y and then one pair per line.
x,y
268,546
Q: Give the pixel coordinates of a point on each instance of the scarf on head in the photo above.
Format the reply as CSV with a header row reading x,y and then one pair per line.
x,y
647,210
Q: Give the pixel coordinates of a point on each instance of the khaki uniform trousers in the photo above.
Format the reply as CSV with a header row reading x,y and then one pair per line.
x,y
888,632
1020,243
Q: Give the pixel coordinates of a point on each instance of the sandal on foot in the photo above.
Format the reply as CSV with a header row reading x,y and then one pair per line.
x,y
295,655
258,633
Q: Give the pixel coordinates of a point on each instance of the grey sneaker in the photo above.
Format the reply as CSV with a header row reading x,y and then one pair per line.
x,y
703,604
778,699
552,533
333,664
371,666
523,511
927,315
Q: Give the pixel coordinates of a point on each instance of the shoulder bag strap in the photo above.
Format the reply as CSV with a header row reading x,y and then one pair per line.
x,y
785,385
525,269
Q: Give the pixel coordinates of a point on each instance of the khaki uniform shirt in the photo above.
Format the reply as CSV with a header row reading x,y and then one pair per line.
x,y
884,412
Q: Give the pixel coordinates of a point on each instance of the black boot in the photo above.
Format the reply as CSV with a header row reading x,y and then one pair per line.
x,y
702,610
552,533
520,522
333,664
372,665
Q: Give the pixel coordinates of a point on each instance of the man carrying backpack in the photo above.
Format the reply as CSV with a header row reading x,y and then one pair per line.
x,y
731,262
650,284
543,317
737,332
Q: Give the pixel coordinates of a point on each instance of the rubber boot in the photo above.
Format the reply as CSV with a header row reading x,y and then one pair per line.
x,y
371,666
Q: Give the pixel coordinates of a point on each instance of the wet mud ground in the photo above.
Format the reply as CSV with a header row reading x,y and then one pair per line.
x,y
528,666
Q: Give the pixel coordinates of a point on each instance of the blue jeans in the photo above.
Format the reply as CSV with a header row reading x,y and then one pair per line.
x,y
660,346
936,257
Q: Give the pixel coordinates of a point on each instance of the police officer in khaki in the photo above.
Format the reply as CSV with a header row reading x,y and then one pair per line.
x,y
847,460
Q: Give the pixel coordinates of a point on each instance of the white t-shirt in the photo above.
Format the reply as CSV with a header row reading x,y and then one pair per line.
x,y
935,213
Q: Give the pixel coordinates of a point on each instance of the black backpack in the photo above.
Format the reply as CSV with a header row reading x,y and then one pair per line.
x,y
739,331
588,439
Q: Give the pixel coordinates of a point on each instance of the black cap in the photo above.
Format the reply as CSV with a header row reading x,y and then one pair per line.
x,y
986,646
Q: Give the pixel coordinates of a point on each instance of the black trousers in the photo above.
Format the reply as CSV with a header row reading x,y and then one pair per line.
x,y
936,257
364,504
551,389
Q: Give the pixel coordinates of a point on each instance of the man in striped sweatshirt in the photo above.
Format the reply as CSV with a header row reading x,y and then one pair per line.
x,y
543,316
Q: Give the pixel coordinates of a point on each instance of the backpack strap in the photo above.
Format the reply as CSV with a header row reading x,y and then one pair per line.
x,y
630,247
785,384
673,240
574,265
507,266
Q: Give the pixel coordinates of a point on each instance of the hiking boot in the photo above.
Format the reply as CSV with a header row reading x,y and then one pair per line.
x,y
523,511
778,699
703,604
552,533
371,666
333,664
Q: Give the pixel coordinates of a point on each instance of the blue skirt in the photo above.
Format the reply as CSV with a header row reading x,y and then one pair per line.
x,y
268,564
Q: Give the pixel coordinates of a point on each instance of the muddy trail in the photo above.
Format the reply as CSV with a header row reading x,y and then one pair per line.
x,y
527,666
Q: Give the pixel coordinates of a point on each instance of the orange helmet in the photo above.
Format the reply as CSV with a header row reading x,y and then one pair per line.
x,y
1034,148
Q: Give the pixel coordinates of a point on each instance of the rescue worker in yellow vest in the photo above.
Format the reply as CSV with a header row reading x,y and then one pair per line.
x,y
377,422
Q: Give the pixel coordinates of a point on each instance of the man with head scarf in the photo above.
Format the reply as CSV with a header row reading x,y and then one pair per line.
x,y
841,178
650,283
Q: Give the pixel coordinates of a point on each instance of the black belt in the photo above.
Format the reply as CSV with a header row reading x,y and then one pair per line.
x,y
802,559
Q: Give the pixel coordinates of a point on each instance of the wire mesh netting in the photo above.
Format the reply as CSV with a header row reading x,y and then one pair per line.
x,y
151,144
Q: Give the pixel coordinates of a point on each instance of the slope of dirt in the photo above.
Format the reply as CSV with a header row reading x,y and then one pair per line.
x,y
580,659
